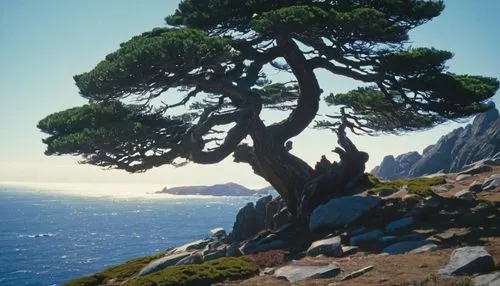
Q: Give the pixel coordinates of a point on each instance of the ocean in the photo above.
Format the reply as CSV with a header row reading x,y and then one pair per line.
x,y
48,238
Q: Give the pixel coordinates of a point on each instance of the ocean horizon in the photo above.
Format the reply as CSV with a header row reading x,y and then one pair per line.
x,y
50,234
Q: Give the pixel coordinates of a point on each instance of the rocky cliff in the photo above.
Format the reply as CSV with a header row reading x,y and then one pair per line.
x,y
451,153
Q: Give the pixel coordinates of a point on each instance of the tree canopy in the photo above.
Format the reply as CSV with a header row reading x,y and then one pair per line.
x,y
215,53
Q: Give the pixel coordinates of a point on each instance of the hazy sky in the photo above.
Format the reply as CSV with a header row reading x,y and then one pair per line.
x,y
44,43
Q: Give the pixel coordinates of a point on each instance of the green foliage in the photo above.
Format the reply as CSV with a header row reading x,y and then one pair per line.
x,y
147,63
208,273
291,19
98,129
418,186
118,272
372,107
414,62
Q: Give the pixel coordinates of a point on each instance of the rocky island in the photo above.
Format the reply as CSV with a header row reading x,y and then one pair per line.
x,y
228,189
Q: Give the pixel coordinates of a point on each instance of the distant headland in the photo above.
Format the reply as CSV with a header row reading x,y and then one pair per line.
x,y
227,189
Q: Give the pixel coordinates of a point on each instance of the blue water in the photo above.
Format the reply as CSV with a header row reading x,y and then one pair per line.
x,y
47,239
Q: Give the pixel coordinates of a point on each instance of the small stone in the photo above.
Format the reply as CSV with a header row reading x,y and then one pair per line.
x,y
462,177
357,273
425,248
349,250
268,271
327,247
294,273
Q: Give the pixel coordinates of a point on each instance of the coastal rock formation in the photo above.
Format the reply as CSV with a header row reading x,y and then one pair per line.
x,y
267,213
451,153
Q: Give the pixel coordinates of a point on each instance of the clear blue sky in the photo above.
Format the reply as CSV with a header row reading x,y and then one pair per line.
x,y
44,43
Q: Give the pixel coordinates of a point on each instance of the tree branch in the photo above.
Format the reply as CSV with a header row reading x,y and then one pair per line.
x,y
308,101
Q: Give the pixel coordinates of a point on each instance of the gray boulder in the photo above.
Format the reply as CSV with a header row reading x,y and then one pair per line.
x,y
405,246
294,273
491,182
195,258
340,211
365,238
469,260
195,245
161,263
328,247
388,240
218,232
261,244
492,279
233,250
400,224
211,254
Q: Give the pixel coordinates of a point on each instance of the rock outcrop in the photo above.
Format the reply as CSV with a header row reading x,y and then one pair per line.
x,y
451,153
267,213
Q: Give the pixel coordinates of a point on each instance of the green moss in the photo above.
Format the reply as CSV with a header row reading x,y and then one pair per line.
x,y
226,268
418,186
119,272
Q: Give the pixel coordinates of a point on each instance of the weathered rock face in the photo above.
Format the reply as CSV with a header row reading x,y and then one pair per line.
x,y
451,153
392,168
266,213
